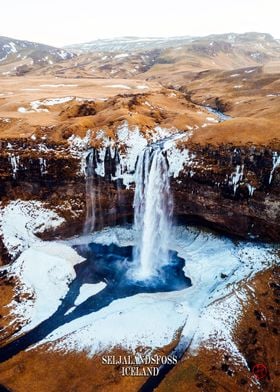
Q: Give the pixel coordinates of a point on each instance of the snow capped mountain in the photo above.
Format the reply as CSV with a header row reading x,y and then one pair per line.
x,y
126,57
129,44
26,55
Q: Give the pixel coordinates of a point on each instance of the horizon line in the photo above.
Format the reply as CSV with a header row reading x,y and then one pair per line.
x,y
137,36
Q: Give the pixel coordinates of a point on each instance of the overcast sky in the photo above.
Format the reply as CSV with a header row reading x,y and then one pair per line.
x,y
60,22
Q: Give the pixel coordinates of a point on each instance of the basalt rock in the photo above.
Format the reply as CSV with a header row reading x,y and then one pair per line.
x,y
235,190
231,189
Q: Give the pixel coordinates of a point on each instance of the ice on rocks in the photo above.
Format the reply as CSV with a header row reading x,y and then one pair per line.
x,y
236,177
275,164
21,220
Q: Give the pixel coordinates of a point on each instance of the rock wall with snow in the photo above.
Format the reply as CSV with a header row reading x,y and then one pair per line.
x,y
235,190
231,189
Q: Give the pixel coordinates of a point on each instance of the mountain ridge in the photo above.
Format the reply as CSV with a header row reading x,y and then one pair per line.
x,y
135,43
29,55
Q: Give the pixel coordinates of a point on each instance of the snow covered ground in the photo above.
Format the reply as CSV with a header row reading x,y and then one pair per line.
x,y
45,271
21,220
36,106
205,313
122,86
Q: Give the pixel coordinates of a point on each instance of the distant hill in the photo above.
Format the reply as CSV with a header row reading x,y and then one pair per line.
x,y
132,44
169,60
26,56
128,44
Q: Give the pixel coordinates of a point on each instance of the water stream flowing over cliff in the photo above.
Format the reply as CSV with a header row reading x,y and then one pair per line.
x,y
152,212
90,195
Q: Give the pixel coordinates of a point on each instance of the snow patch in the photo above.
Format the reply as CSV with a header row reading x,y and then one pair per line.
x,y
35,106
121,55
58,85
178,159
134,143
142,87
212,119
273,95
45,271
122,86
88,290
21,220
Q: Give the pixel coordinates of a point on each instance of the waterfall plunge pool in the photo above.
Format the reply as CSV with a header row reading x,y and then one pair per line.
x,y
87,297
114,265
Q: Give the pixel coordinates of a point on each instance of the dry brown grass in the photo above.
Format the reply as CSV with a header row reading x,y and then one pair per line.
x,y
257,339
240,132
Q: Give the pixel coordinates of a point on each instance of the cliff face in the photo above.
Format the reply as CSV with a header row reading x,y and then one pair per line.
x,y
57,176
233,189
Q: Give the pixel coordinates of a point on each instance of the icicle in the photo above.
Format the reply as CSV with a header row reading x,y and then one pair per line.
x,y
100,163
90,195
43,166
236,177
275,164
14,161
251,189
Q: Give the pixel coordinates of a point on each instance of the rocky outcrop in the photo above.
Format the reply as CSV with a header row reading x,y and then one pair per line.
x,y
55,175
233,189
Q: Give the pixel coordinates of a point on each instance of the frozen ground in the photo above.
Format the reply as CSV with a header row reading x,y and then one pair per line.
x,y
21,220
204,313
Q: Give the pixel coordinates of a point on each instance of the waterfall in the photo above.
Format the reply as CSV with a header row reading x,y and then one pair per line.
x,y
152,212
90,195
